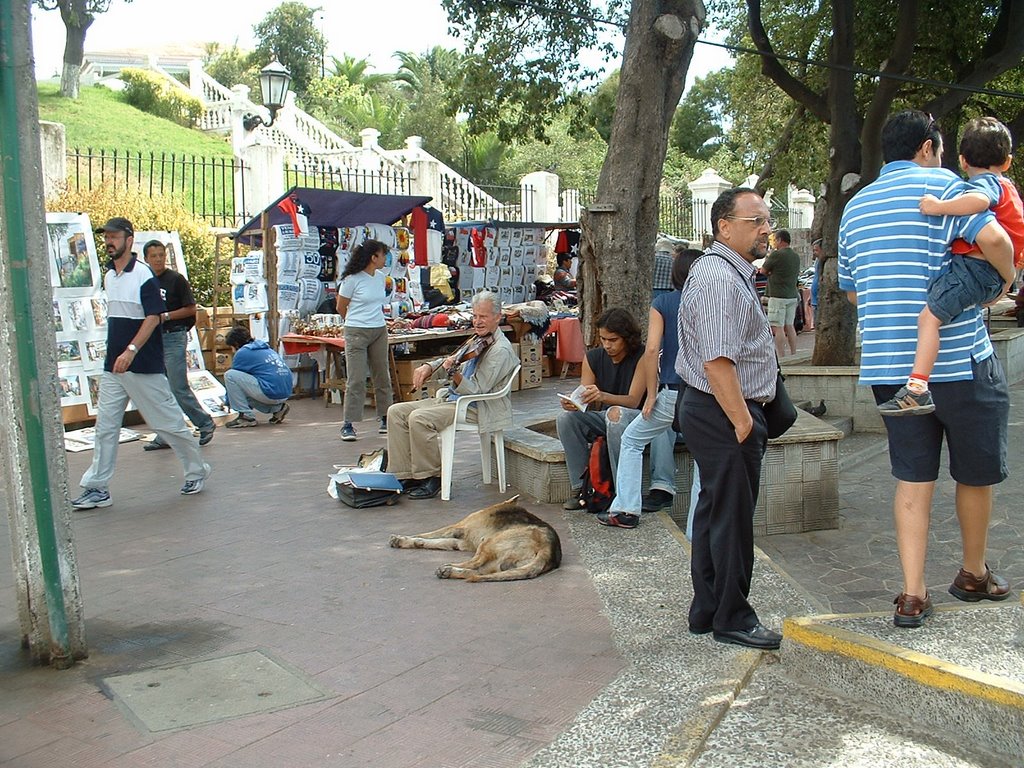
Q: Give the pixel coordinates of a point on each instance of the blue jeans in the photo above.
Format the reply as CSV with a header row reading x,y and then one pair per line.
x,y
177,377
244,394
638,433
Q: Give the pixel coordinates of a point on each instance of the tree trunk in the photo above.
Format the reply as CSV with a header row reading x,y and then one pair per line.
x,y
835,323
619,230
77,20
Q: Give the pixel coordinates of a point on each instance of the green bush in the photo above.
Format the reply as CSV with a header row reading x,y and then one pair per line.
x,y
151,93
147,212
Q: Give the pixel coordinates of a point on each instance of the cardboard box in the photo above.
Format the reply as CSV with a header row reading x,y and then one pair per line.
x,y
225,317
530,354
530,377
217,361
406,365
549,366
213,338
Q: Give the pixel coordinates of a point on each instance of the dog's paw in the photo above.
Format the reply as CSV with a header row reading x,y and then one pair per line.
x,y
444,572
395,541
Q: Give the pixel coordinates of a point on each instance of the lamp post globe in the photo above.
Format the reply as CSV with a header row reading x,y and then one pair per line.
x,y
274,82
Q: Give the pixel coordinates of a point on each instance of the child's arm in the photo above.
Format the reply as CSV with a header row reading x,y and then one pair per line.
x,y
962,205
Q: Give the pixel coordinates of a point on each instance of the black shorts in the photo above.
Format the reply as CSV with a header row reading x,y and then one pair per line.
x,y
971,415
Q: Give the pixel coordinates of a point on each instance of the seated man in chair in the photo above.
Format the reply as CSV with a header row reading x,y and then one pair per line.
x,y
480,366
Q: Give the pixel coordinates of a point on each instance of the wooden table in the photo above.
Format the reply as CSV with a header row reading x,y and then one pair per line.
x,y
333,346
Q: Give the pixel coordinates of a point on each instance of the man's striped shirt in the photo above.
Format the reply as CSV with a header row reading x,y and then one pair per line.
x,y
720,315
888,253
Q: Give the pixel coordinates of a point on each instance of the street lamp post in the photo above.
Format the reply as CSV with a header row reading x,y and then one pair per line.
x,y
274,82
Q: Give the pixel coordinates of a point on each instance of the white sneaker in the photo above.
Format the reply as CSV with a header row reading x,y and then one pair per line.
x,y
92,498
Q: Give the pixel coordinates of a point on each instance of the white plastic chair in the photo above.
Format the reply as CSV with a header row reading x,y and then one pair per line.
x,y
461,425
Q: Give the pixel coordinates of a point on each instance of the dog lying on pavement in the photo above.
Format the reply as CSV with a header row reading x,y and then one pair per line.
x,y
508,544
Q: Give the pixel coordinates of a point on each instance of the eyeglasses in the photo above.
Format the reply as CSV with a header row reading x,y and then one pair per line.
x,y
759,221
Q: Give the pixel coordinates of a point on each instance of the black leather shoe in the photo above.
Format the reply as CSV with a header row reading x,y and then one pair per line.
x,y
758,636
408,485
428,489
699,630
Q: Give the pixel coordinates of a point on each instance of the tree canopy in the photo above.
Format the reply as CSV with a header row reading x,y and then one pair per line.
x,y
78,16
878,57
289,34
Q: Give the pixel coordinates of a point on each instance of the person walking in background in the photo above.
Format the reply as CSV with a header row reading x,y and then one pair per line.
x,y
134,370
258,379
361,297
819,263
728,362
613,388
665,253
888,252
177,319
968,279
783,269
654,427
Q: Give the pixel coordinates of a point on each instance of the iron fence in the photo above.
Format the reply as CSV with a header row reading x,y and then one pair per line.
x,y
211,188
461,200
384,181
678,214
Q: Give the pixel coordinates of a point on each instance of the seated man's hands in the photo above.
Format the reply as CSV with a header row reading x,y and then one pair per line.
x,y
420,375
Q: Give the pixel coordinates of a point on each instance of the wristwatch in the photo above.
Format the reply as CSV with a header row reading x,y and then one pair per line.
x,y
133,349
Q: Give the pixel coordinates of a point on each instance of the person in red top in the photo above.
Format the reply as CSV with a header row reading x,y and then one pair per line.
x,y
969,279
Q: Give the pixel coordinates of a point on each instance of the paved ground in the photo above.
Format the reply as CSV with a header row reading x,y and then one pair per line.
x,y
588,665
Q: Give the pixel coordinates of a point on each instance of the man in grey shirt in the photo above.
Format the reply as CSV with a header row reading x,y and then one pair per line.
x,y
727,358
783,269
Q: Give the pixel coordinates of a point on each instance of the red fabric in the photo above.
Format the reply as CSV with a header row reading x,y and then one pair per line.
x,y
476,241
439,321
569,339
1009,213
297,212
296,344
419,236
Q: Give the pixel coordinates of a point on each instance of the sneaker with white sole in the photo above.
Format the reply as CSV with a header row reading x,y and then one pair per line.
x,y
907,403
192,487
278,416
92,498
241,422
348,432
382,426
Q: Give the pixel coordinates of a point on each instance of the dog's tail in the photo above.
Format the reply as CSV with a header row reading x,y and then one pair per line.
x,y
539,565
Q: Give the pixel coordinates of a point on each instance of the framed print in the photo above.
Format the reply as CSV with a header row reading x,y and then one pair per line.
x,y
69,351
72,389
95,352
74,266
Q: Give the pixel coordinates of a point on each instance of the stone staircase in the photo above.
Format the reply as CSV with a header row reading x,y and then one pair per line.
x,y
312,147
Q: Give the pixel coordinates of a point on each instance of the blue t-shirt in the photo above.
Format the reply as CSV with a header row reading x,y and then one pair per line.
x,y
257,359
667,305
889,252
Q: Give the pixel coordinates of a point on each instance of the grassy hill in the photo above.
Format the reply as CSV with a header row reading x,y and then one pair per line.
x,y
100,120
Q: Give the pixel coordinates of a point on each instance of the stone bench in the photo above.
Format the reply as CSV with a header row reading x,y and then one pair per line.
x,y
1009,347
799,476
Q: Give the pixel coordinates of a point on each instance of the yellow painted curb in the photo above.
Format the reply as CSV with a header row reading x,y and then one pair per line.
x,y
922,668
